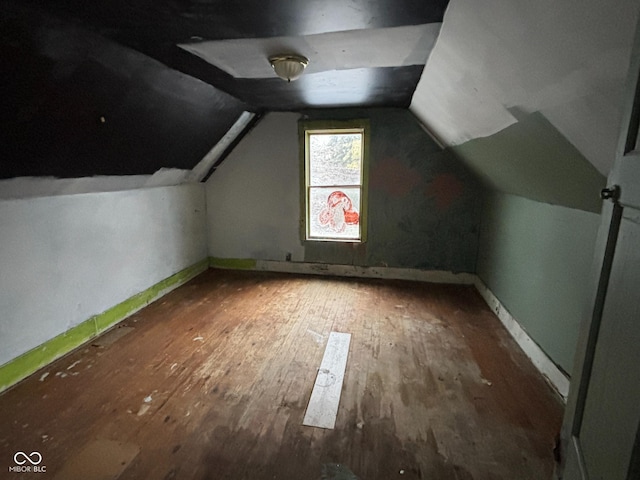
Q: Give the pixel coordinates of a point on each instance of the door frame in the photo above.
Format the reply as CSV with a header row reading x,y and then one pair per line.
x,y
611,218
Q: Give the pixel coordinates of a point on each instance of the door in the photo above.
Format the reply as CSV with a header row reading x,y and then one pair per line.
x,y
601,431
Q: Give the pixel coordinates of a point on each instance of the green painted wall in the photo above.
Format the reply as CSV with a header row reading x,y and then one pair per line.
x,y
536,258
532,159
423,202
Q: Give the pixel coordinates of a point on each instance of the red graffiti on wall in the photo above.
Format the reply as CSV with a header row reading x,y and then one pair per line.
x,y
339,212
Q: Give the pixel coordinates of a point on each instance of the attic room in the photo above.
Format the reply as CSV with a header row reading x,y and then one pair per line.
x,y
170,292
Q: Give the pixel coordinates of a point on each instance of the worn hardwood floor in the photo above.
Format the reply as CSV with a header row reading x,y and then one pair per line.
x,y
212,382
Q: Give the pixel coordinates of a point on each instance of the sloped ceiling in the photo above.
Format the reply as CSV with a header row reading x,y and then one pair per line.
x,y
131,87
498,61
77,104
157,28
126,87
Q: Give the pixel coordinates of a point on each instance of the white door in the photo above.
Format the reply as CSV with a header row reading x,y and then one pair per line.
x,y
601,431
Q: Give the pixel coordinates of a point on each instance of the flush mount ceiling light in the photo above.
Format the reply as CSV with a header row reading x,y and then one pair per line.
x,y
288,67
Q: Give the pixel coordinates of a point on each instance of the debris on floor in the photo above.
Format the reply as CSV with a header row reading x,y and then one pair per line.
x,y
336,471
73,364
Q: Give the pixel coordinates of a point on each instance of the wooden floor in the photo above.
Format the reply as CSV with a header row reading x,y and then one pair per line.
x,y
212,382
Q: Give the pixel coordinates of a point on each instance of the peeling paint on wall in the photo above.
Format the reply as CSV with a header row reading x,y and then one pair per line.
x,y
496,58
26,187
532,159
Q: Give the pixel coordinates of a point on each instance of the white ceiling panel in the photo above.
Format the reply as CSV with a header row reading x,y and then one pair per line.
x,y
383,47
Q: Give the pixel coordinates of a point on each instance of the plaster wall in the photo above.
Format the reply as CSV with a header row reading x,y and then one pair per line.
x,y
253,198
536,258
68,257
528,95
423,203
499,60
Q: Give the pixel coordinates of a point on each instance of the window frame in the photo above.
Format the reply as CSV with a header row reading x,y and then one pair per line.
x,y
307,127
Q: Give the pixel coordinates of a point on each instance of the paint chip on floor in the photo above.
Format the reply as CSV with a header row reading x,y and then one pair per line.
x,y
336,471
73,364
144,408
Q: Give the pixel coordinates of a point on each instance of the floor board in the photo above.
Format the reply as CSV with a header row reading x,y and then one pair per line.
x,y
212,382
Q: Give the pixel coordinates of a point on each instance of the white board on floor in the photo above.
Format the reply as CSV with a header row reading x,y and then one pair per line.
x,y
325,397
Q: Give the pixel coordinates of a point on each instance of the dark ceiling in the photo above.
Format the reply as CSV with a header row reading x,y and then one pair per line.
x,y
156,27
89,91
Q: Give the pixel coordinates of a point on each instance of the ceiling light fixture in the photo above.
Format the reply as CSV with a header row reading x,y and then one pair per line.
x,y
288,67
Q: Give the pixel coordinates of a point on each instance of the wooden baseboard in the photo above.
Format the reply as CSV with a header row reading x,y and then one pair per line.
x,y
542,362
433,276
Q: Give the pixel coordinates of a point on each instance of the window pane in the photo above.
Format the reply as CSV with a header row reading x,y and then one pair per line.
x,y
335,158
334,213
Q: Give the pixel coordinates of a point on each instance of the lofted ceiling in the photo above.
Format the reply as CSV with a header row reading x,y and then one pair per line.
x,y
352,34
130,87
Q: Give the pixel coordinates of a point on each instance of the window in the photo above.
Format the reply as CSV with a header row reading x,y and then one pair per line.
x,y
334,183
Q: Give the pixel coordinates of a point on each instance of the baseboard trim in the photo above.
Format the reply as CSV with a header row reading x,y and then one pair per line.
x,y
307,268
556,378
30,362
552,373
233,263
